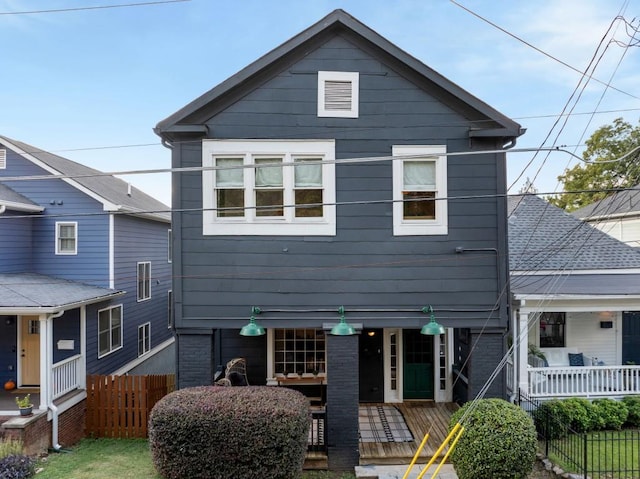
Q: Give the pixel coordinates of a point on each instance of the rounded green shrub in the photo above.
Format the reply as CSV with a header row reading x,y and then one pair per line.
x,y
230,433
551,419
612,413
582,415
498,442
633,405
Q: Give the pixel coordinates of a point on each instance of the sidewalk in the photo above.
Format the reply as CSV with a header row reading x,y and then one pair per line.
x,y
397,472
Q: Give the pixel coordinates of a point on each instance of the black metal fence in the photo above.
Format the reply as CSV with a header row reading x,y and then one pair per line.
x,y
595,455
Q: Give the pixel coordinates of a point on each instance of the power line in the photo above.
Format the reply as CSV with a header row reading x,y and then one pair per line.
x,y
97,7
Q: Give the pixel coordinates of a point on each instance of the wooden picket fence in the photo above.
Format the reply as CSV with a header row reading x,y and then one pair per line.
x,y
119,406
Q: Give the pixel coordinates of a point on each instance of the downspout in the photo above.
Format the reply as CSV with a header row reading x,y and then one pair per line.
x,y
52,407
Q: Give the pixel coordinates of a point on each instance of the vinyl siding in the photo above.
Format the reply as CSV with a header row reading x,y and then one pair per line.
x,y
15,242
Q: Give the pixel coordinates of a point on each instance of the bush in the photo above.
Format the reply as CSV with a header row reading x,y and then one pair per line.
x,y
9,447
230,433
551,419
581,414
613,413
499,441
17,466
633,405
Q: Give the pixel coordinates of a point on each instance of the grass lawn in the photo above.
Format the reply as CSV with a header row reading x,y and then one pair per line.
x,y
118,458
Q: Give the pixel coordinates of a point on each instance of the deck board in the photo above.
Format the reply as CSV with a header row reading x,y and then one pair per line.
x,y
421,417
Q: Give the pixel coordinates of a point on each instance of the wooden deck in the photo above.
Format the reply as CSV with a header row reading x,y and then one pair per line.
x,y
421,417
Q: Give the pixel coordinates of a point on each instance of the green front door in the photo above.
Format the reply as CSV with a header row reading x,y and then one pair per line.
x,y
418,365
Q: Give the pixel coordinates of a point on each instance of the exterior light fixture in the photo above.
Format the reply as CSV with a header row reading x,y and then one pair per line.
x,y
431,328
342,328
252,329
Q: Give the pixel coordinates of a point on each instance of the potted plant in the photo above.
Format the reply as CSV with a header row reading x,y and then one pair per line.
x,y
25,405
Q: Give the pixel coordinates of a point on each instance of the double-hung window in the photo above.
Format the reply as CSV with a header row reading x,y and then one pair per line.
x,y
269,187
144,339
144,281
419,190
66,237
109,330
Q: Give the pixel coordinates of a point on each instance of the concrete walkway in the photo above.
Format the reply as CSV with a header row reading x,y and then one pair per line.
x,y
397,472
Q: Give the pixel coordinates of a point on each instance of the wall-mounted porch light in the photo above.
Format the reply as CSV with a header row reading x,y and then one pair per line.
x,y
342,328
432,328
252,329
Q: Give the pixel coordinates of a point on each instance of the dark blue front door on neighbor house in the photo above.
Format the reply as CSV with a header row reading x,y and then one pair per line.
x,y
631,337
371,366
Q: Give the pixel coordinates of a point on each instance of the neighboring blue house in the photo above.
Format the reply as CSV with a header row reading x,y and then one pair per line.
x,y
350,180
85,275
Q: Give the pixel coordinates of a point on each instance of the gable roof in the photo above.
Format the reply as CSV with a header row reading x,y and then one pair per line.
x,y
542,237
190,119
620,203
37,293
112,192
12,200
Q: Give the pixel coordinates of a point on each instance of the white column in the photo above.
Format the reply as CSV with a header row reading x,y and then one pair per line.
x,y
82,367
46,360
523,350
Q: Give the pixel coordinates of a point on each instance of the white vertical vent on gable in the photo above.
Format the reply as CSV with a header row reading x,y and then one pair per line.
x,y
338,94
3,158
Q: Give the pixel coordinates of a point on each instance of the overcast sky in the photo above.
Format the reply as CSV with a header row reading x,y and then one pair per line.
x,y
91,84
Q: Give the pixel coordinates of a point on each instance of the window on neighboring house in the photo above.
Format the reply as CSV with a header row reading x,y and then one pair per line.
x,y
552,330
269,187
3,159
420,190
144,281
144,339
300,351
338,94
170,309
169,246
66,238
109,330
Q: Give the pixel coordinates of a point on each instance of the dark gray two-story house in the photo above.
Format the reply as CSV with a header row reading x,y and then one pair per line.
x,y
338,176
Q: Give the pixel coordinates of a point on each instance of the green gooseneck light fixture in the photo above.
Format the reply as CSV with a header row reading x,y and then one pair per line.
x,y
431,328
342,328
252,329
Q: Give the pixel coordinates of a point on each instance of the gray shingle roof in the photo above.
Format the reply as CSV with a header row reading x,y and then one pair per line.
x,y
7,195
22,291
112,189
619,203
544,237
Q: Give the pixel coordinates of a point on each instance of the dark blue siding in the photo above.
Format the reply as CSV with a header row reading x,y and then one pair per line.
x,y
8,345
15,242
66,327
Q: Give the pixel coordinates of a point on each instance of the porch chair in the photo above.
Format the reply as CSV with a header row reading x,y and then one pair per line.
x,y
235,373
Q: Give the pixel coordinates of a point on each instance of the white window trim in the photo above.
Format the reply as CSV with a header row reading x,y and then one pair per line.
x,y
111,348
170,313
250,225
146,298
354,78
439,226
146,339
3,159
169,246
66,223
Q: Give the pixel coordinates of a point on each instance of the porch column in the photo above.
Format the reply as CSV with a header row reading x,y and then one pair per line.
x,y
487,353
46,360
82,367
342,402
523,350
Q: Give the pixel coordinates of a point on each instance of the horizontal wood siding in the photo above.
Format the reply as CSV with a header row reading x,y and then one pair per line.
x,y
15,242
63,202
364,265
136,240
8,335
66,327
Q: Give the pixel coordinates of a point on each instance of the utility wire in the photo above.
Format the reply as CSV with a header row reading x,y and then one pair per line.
x,y
97,7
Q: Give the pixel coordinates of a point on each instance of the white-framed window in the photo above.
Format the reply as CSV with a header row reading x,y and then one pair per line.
x,y
3,159
170,309
299,351
420,190
269,187
144,339
109,330
66,237
169,246
338,94
144,281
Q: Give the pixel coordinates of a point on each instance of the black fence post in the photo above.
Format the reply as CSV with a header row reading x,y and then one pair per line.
x,y
585,457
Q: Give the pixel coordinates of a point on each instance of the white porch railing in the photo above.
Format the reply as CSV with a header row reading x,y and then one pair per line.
x,y
65,376
584,381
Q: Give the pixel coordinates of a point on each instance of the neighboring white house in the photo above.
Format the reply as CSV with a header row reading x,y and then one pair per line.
x,y
576,295
618,215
